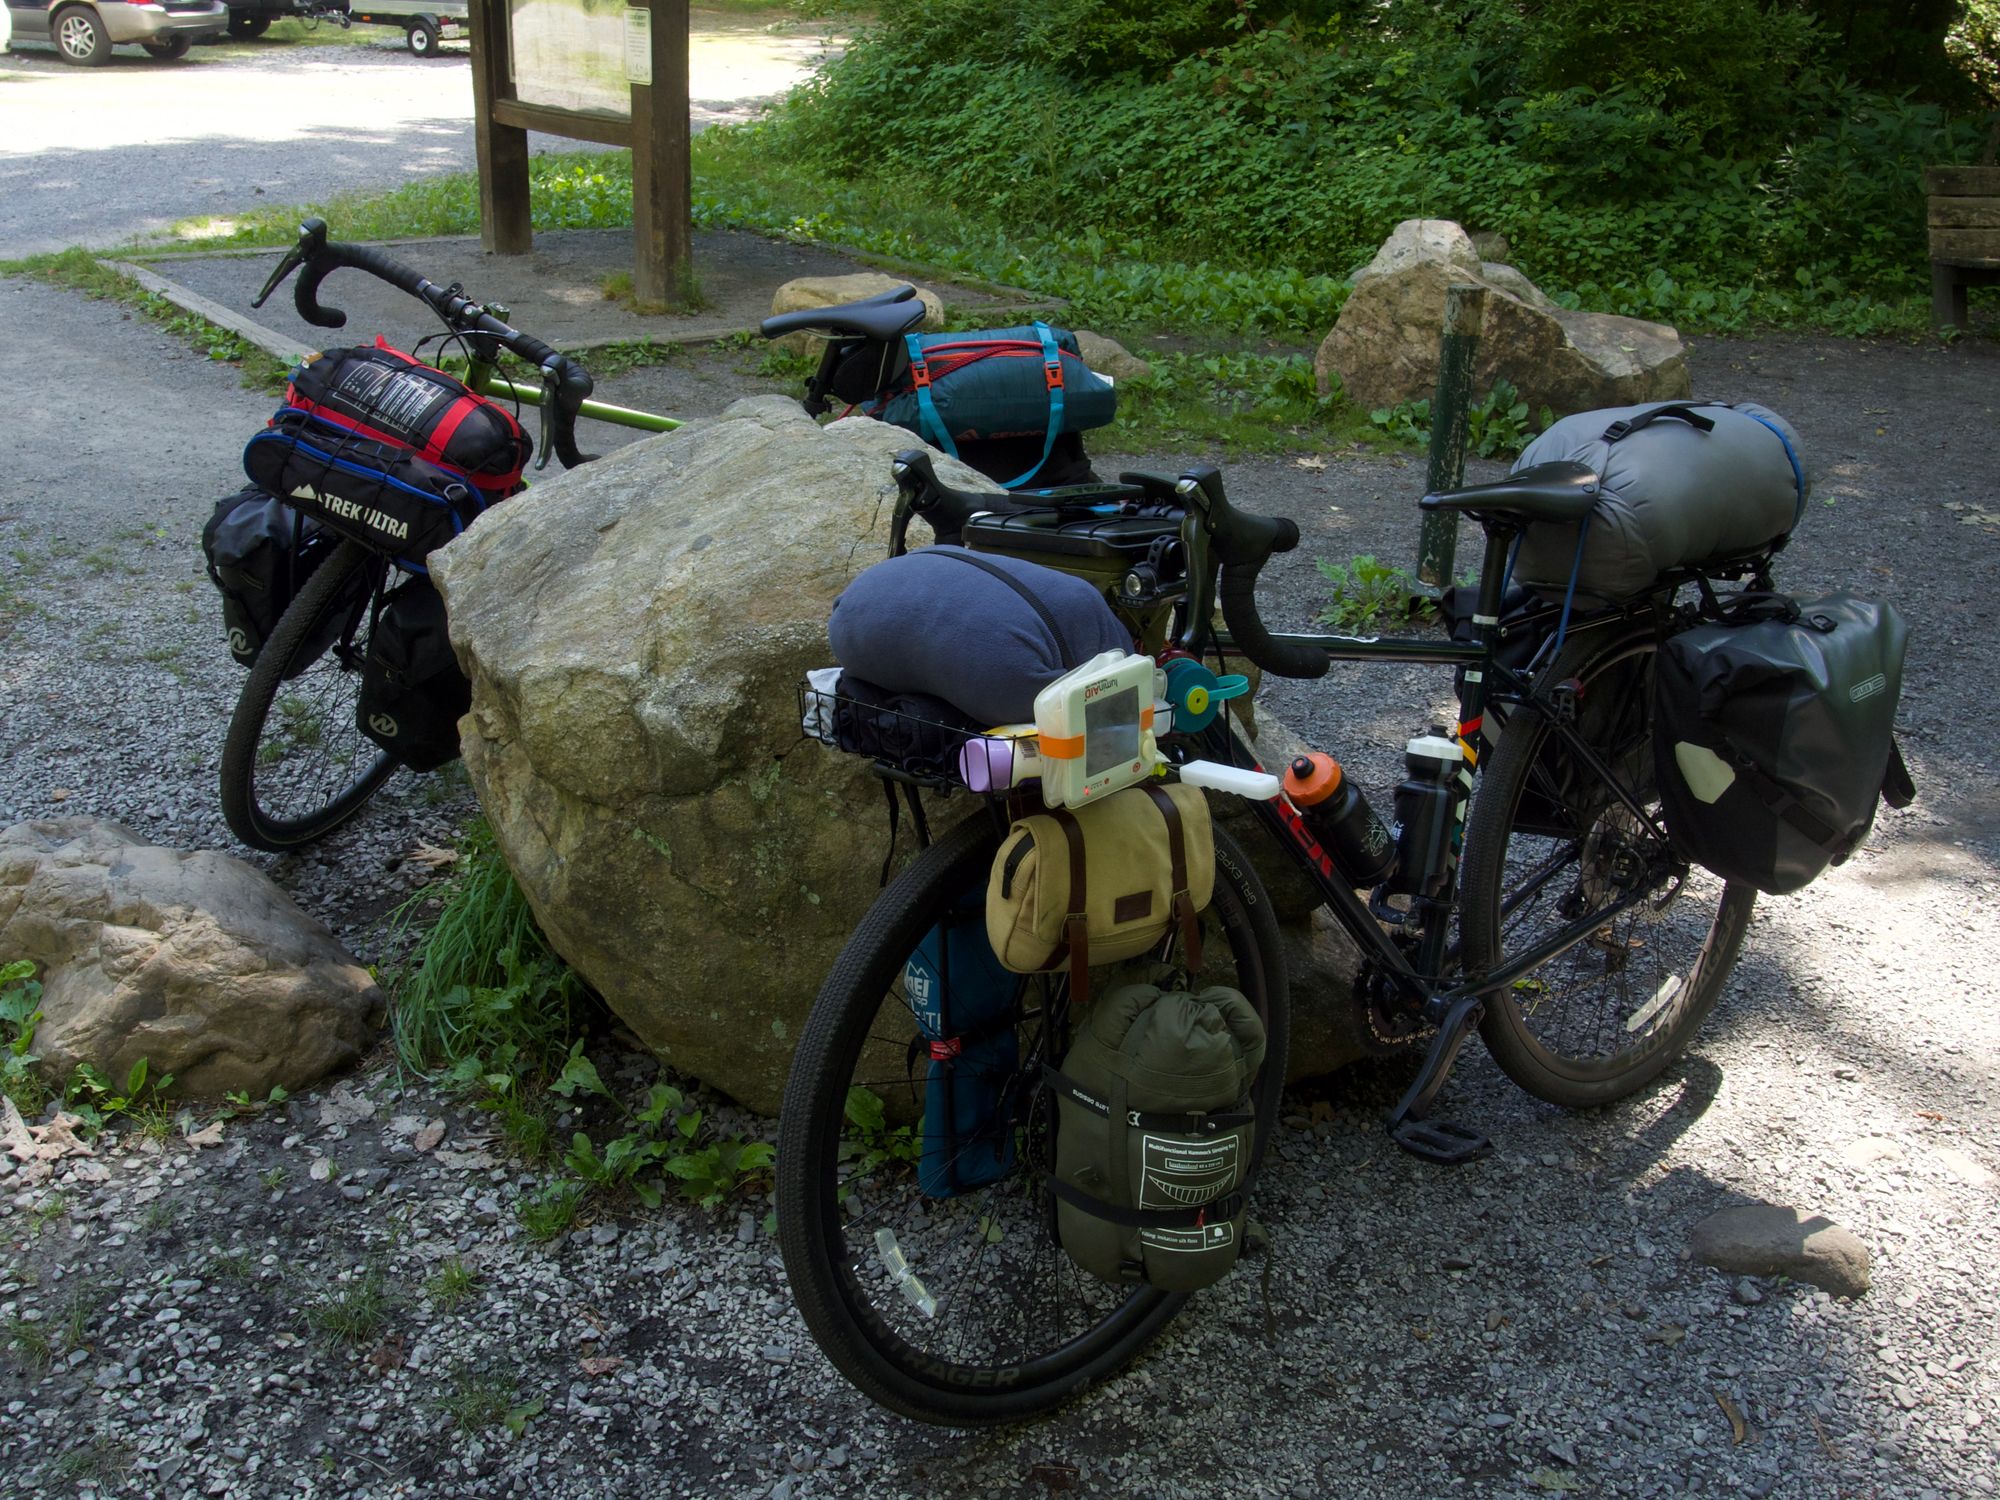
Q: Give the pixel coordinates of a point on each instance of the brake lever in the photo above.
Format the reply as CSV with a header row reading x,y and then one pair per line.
x,y
544,447
294,258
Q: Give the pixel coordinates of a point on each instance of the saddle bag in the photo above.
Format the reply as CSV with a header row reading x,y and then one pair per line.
x,y
965,1006
1683,484
1102,883
260,552
412,692
985,634
1154,1135
1011,390
1776,735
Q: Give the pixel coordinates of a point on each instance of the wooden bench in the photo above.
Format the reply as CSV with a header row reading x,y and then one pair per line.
x,y
1965,237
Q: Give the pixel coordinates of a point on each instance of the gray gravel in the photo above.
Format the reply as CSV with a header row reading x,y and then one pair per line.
x,y
1524,1326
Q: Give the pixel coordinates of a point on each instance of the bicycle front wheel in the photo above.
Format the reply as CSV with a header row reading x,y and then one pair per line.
x,y
965,1310
296,765
1550,843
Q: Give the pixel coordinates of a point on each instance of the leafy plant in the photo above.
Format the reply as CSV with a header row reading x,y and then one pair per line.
x,y
20,1014
93,1097
1365,589
476,1401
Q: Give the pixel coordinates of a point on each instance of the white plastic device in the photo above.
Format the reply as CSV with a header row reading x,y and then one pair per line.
x,y
1095,727
1258,786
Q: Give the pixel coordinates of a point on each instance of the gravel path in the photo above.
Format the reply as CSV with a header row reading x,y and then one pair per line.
x,y
1520,1327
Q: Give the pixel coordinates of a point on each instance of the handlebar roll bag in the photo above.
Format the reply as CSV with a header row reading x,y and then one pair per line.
x,y
1684,484
380,393
985,634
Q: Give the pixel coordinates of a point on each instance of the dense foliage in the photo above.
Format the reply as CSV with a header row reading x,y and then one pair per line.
x,y
1716,162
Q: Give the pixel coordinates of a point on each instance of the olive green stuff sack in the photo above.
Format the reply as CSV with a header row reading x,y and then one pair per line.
x,y
1154,1135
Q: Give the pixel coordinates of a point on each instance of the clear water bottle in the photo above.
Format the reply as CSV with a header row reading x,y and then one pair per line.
x,y
1341,819
1425,809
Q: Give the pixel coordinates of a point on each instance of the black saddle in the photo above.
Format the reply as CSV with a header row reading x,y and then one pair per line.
x,y
1563,491
883,316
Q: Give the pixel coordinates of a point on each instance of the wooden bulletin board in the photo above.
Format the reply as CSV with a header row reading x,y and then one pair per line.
x,y
604,71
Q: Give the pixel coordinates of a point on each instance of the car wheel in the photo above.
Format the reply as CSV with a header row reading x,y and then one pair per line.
x,y
167,48
80,37
247,27
424,37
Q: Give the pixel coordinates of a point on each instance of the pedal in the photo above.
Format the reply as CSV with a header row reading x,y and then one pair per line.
x,y
1440,1141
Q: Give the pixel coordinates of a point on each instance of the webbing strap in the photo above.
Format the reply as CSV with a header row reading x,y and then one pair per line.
x,y
1193,1123
1076,923
1226,1207
1773,795
1183,898
931,426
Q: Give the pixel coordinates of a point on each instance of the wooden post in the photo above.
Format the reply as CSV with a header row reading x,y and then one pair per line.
x,y
505,225
1464,318
662,195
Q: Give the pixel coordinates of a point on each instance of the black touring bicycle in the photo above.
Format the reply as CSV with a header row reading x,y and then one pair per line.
x,y
1534,896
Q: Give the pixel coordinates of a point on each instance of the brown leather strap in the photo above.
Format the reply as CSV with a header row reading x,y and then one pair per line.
x,y
1183,898
1076,925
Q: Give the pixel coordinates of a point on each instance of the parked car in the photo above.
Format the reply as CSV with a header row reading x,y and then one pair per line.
x,y
85,31
425,24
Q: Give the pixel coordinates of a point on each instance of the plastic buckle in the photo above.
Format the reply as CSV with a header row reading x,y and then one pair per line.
x,y
947,1049
920,373
1052,371
1616,431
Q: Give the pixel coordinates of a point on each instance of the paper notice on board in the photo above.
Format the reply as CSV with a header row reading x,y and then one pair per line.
x,y
638,45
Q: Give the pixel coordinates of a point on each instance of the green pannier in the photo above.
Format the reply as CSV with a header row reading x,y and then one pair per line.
x,y
1154,1135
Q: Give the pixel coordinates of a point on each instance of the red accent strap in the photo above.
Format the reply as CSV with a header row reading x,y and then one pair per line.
x,y
947,1048
454,418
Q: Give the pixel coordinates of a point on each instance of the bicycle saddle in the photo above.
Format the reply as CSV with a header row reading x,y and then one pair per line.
x,y
882,316
1562,491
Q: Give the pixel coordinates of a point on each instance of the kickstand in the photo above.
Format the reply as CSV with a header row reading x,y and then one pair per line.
x,y
1439,1141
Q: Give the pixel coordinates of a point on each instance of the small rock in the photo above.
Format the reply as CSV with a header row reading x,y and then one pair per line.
x,y
1764,1239
1498,1419
1747,1292
777,1354
1963,1167
354,1192
603,1234
1869,1150
370,1420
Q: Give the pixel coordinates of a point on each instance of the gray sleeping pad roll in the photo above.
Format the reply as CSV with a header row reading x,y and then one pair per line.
x,y
1674,495
985,633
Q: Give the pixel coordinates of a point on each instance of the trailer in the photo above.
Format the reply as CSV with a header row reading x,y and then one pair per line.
x,y
425,24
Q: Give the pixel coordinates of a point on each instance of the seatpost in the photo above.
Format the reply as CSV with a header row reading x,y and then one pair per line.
x,y
816,402
1486,616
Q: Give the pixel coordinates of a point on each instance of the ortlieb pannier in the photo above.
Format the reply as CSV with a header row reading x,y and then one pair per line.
x,y
1021,386
1103,882
1155,1134
1684,484
260,552
985,634
1776,735
384,394
966,1006
385,450
412,691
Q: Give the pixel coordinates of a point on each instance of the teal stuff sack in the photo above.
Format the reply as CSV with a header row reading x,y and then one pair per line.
x,y
1155,1135
965,1005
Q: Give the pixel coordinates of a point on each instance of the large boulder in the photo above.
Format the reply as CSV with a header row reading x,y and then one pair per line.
x,y
1384,347
636,631
195,962
806,292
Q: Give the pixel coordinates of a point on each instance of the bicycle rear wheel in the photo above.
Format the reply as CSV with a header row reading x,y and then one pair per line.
x,y
1013,1326
296,765
1549,843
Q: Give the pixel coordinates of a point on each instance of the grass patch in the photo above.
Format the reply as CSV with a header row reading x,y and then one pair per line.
x,y
80,271
477,1401
551,1209
451,1284
353,1313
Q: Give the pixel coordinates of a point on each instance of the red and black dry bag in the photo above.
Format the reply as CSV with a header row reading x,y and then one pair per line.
x,y
384,449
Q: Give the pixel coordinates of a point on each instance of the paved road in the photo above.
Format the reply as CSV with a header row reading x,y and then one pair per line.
x,y
96,156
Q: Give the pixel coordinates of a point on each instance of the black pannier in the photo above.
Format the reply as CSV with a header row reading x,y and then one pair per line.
x,y
260,552
412,692
1776,737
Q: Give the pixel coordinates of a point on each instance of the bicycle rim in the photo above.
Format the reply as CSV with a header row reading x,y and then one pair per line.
x,y
296,765
988,1320
1549,846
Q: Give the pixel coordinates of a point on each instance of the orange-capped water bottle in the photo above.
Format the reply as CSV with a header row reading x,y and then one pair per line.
x,y
1341,819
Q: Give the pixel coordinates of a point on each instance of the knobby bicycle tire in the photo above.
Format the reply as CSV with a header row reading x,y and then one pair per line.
x,y
1547,843
1015,1327
292,776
